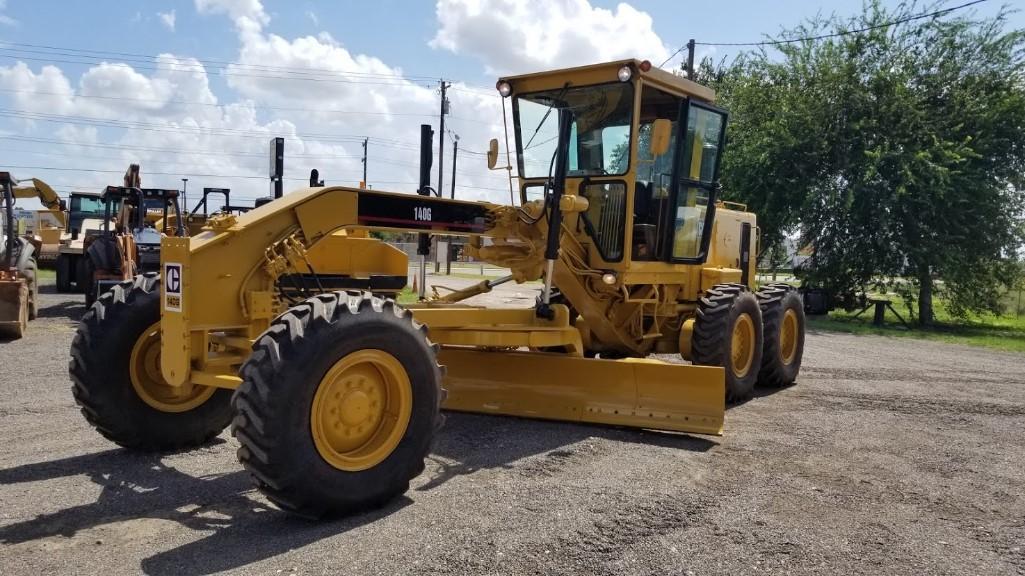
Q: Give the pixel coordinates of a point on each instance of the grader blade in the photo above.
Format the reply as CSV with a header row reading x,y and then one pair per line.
x,y
631,392
13,308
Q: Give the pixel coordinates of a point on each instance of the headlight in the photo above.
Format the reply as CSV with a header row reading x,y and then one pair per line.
x,y
608,277
504,89
625,73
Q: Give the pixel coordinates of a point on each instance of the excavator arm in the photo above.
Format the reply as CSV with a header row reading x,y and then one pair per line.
x,y
47,197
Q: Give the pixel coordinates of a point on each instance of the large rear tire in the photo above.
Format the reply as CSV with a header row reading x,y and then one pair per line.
x,y
338,405
86,280
115,374
64,272
728,333
783,322
31,273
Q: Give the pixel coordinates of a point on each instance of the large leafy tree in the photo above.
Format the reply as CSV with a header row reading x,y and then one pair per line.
x,y
893,151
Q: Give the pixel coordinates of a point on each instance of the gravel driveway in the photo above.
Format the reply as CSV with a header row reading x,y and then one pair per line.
x,y
889,456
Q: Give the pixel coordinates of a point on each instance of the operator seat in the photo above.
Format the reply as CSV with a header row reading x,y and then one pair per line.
x,y
645,230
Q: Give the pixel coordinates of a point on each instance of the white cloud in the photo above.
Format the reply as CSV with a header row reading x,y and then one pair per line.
x,y
4,18
168,19
529,35
245,13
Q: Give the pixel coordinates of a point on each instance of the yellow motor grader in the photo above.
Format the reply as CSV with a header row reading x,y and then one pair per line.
x,y
283,321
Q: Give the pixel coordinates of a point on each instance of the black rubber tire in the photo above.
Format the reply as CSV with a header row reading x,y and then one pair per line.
x,y
775,299
280,379
31,273
711,343
64,272
86,270
101,384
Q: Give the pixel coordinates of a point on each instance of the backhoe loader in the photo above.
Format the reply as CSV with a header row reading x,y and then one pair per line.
x,y
282,321
129,241
51,223
18,288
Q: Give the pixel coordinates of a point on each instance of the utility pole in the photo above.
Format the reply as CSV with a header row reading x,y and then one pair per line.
x,y
441,159
690,59
452,195
185,196
365,161
441,135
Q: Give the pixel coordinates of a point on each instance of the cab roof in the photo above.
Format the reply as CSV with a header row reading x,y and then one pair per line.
x,y
607,72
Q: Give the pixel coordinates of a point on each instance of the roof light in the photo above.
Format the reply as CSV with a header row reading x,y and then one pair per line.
x,y
504,88
625,73
645,66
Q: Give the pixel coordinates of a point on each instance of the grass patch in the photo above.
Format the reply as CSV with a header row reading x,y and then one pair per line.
x,y
999,332
44,274
407,296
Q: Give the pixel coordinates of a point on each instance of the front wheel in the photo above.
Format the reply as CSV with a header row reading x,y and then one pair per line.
x,y
115,371
338,405
728,333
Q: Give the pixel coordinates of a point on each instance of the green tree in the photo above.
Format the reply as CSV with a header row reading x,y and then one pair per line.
x,y
894,152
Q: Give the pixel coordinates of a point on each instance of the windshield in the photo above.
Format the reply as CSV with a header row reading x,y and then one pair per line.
x,y
82,208
155,204
91,205
599,137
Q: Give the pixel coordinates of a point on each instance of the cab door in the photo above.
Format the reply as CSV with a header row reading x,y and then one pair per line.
x,y
696,175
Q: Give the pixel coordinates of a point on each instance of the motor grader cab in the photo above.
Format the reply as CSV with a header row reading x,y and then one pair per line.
x,y
18,288
281,321
129,242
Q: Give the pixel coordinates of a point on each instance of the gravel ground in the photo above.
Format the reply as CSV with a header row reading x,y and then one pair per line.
x,y
889,456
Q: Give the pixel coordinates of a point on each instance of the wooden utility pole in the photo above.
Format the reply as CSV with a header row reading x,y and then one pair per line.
x,y
690,59
365,161
441,136
452,195
441,160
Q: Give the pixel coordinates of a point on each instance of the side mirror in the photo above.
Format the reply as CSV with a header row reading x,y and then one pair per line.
x,y
492,153
658,144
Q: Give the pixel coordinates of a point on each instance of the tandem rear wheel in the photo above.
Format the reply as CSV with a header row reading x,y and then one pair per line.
x,y
338,405
728,333
758,338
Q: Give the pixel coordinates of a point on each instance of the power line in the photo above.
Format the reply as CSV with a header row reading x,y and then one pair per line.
x,y
157,63
202,130
833,34
146,58
218,105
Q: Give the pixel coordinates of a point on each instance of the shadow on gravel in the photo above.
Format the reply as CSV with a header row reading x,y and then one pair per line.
x,y
471,442
71,306
139,486
73,311
136,487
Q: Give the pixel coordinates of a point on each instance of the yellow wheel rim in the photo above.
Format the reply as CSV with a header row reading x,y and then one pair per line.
x,y
361,410
788,332
149,383
743,345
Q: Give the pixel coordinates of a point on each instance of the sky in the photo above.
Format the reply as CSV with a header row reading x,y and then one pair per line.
x,y
197,88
